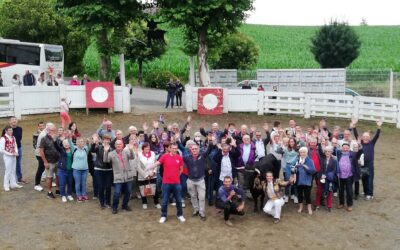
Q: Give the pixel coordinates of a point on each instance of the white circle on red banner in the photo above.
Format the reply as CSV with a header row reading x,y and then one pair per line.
x,y
210,101
99,94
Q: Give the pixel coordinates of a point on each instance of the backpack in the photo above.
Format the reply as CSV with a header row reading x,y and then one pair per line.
x,y
73,153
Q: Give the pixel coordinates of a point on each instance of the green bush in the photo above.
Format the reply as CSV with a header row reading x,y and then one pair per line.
x,y
158,79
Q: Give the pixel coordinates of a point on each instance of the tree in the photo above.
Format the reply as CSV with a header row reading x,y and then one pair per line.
x,y
106,20
142,46
37,21
202,19
335,45
238,51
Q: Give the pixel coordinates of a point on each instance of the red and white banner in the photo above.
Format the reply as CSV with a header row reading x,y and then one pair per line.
x,y
99,95
210,101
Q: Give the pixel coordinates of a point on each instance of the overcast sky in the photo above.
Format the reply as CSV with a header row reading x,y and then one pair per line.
x,y
319,12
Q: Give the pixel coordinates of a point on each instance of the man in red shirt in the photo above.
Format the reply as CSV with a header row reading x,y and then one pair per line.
x,y
173,165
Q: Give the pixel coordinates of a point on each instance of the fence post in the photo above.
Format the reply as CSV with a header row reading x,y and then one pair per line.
x,y
63,91
391,84
225,108
189,98
356,107
260,103
17,102
398,116
307,106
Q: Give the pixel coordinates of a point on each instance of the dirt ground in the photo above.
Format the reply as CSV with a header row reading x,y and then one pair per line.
x,y
28,220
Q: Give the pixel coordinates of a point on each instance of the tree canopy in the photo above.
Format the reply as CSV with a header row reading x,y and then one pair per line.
x,y
38,22
106,20
205,18
237,51
335,45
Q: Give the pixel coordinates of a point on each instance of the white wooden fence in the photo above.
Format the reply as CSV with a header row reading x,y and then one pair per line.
x,y
26,100
305,105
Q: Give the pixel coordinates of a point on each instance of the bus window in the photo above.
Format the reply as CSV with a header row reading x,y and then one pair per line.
x,y
53,53
2,53
23,54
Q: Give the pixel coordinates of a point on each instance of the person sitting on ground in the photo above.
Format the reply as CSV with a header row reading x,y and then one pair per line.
x,y
231,199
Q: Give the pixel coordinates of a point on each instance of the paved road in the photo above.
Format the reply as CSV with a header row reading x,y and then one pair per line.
x,y
145,99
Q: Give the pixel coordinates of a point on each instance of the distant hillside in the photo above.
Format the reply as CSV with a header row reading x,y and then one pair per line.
x,y
281,47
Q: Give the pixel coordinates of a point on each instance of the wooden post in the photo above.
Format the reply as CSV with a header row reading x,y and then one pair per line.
x,y
260,103
391,84
307,106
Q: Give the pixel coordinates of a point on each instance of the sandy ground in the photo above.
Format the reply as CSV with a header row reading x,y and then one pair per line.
x,y
30,221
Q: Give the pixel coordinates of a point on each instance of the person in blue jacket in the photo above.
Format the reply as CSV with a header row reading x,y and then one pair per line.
x,y
304,175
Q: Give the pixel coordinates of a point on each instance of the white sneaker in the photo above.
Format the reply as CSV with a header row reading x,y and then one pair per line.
x,y
17,186
163,219
292,196
368,197
173,204
286,199
144,206
295,200
183,204
70,198
38,188
64,199
7,189
181,219
158,206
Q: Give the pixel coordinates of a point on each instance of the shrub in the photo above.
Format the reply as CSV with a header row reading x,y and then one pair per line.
x,y
158,79
335,45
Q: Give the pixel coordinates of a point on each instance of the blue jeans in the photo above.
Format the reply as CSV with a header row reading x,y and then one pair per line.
x,y
65,178
127,194
18,169
104,181
370,190
170,98
175,189
80,182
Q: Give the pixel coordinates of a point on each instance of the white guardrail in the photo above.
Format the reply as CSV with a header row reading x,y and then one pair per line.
x,y
26,100
305,105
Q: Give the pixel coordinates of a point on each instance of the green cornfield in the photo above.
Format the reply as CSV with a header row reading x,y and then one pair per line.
x,y
280,47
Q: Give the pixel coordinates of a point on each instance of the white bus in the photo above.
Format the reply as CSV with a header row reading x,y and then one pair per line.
x,y
17,57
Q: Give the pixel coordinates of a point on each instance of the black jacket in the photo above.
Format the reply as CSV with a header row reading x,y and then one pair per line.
x,y
233,156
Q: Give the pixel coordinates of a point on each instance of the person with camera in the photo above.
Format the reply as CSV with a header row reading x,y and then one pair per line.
x,y
328,175
230,199
305,170
274,193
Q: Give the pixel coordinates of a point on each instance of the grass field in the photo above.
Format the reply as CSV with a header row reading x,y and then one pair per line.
x,y
280,47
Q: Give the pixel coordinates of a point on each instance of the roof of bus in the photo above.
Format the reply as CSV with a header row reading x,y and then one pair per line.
x,y
11,41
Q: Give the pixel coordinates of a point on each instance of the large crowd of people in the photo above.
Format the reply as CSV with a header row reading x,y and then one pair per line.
x,y
223,167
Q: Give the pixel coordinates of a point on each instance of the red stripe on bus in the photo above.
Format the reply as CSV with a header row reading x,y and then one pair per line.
x,y
3,65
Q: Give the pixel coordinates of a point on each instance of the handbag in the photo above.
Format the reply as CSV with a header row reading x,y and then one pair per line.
x,y
148,189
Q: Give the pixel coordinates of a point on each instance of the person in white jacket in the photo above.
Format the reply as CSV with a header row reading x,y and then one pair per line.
x,y
9,149
147,175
